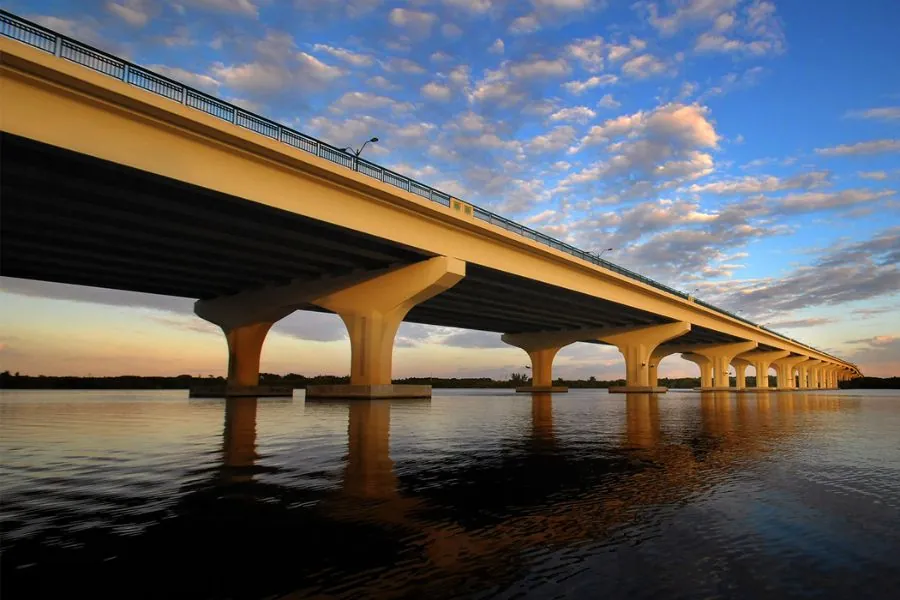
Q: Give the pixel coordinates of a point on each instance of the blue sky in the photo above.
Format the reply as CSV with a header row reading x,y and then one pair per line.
x,y
745,148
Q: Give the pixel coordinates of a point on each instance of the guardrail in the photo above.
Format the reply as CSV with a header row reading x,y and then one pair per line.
x,y
22,30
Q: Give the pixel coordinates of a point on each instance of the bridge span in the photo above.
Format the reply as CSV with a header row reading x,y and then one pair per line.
x,y
117,177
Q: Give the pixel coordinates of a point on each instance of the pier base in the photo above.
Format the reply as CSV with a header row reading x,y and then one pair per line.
x,y
638,389
368,392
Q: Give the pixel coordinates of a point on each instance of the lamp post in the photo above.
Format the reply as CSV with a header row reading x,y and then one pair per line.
x,y
357,152
602,252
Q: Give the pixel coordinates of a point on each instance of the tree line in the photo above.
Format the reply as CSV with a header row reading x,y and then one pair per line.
x,y
139,382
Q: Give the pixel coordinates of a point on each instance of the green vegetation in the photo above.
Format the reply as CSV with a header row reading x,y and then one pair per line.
x,y
871,383
15,381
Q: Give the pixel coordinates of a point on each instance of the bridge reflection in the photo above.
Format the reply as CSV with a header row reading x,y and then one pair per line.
x,y
478,515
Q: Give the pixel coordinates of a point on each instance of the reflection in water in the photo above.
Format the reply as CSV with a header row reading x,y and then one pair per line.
x,y
642,420
370,470
239,440
457,497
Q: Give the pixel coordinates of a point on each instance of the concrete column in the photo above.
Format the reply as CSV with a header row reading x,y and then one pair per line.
x,y
372,304
542,347
785,368
244,349
761,361
372,311
821,377
720,356
807,373
740,369
813,382
636,345
706,368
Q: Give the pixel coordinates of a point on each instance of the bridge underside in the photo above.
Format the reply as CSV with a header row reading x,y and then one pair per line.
x,y
71,218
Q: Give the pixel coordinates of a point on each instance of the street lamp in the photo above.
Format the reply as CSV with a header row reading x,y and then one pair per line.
x,y
602,252
356,153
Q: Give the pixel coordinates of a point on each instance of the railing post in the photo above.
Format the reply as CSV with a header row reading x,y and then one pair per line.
x,y
125,72
58,46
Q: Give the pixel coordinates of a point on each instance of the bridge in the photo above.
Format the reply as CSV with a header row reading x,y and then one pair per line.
x,y
117,177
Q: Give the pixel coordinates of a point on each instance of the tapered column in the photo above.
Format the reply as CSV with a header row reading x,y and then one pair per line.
x,y
813,381
372,311
761,361
246,318
244,349
719,357
636,345
807,370
740,370
541,348
786,368
706,368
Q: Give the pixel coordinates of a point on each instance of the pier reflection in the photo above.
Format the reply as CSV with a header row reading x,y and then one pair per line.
x,y
469,520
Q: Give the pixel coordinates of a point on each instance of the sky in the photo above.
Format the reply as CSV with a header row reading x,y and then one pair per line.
x,y
747,151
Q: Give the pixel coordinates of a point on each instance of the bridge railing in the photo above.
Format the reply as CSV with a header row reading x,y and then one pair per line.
x,y
72,50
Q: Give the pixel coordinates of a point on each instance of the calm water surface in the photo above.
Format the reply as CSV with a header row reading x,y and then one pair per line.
x,y
473,494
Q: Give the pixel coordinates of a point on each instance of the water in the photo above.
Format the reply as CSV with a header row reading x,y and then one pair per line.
x,y
473,494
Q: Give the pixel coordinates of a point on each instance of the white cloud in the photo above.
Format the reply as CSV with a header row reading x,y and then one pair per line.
x,y
451,30
412,19
475,7
279,68
397,64
241,7
579,114
588,52
134,12
436,91
687,13
195,80
648,151
524,24
539,67
440,56
579,87
885,113
354,101
876,175
816,201
554,140
607,101
861,148
497,47
619,51
353,58
381,82
759,184
643,66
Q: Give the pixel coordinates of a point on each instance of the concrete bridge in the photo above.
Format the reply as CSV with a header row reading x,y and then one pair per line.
x,y
117,177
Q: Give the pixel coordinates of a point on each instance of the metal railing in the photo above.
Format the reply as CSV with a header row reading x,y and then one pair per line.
x,y
35,35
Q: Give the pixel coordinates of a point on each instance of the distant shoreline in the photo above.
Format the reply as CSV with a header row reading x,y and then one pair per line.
x,y
15,381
